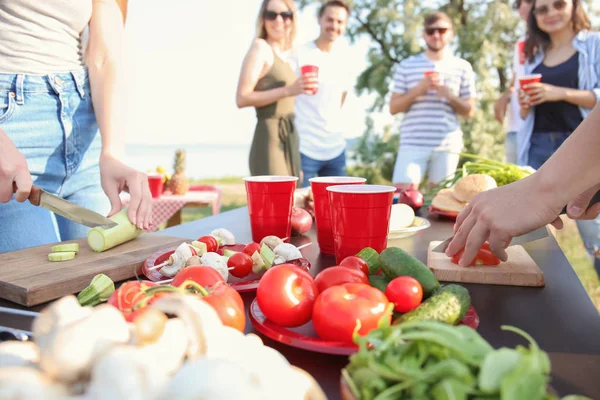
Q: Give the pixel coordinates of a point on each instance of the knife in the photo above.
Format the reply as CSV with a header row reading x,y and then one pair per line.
x,y
537,234
64,208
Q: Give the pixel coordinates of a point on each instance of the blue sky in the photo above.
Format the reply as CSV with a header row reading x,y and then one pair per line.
x,y
184,62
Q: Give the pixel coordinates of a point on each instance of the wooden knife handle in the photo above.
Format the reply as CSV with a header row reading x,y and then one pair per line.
x,y
34,196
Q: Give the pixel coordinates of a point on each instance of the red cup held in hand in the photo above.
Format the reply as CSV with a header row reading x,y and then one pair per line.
x,y
319,187
306,69
360,217
270,201
526,80
155,182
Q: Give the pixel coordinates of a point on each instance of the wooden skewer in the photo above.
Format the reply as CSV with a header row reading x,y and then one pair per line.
x,y
159,266
166,281
304,245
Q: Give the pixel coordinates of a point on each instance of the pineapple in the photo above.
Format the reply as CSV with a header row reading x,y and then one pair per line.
x,y
178,184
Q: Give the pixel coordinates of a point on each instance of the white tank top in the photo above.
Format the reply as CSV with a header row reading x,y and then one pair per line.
x,y
42,36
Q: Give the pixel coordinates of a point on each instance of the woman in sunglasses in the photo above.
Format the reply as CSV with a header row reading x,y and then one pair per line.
x,y
566,54
268,83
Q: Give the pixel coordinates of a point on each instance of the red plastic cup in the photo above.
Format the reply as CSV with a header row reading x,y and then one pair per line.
x,y
305,69
270,201
360,217
322,212
521,51
155,182
526,80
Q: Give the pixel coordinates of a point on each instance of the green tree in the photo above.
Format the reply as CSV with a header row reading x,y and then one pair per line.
x,y
485,33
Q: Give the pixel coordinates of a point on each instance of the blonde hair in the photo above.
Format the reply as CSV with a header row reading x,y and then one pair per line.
x,y
261,32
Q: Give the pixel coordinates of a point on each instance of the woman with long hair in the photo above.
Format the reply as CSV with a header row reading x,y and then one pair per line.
x,y
560,47
269,83
62,118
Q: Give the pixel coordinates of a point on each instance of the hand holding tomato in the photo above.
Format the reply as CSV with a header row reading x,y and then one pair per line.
x,y
405,292
338,275
286,294
338,309
484,256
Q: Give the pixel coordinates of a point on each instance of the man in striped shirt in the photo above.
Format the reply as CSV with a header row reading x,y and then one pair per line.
x,y
432,89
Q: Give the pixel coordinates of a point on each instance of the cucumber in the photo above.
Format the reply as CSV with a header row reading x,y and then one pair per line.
x,y
396,262
449,304
228,253
371,257
100,239
379,282
65,247
267,255
61,256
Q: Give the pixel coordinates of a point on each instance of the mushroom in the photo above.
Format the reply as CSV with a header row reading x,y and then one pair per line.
x,y
177,260
24,383
202,323
126,373
14,353
216,261
215,382
194,260
271,241
170,349
67,351
286,252
223,235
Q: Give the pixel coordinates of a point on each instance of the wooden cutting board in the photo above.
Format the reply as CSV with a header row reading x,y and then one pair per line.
x,y
28,278
519,270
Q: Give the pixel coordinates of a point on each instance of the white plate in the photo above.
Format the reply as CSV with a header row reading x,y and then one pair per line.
x,y
418,225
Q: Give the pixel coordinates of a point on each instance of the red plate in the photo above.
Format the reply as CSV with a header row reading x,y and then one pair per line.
x,y
245,284
444,214
305,337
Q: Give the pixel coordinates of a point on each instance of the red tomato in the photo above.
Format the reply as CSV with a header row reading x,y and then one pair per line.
x,y
484,257
241,264
337,275
211,243
338,308
201,274
228,304
128,295
356,263
405,292
251,248
286,294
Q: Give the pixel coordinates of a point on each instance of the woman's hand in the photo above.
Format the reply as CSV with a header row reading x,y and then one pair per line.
x,y
116,177
500,214
539,93
13,169
524,100
304,85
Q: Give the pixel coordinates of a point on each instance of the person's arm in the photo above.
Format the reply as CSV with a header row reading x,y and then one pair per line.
x,y
570,176
252,69
400,103
106,83
502,103
542,92
13,169
463,107
344,98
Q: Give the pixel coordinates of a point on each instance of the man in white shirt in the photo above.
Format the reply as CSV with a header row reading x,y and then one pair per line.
x,y
509,100
318,116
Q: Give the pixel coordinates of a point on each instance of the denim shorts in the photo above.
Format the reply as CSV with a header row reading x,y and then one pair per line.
x,y
312,168
51,120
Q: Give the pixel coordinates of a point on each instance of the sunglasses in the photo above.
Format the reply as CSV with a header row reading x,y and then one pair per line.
x,y
544,10
272,15
431,31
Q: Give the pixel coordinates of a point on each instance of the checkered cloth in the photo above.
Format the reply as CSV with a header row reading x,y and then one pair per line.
x,y
167,205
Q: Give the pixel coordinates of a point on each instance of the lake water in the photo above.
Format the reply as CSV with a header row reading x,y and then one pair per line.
x,y
202,161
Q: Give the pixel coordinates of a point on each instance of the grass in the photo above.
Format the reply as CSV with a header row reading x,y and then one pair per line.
x,y
234,196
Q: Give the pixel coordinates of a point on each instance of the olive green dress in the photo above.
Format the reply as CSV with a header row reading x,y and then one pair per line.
x,y
275,147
